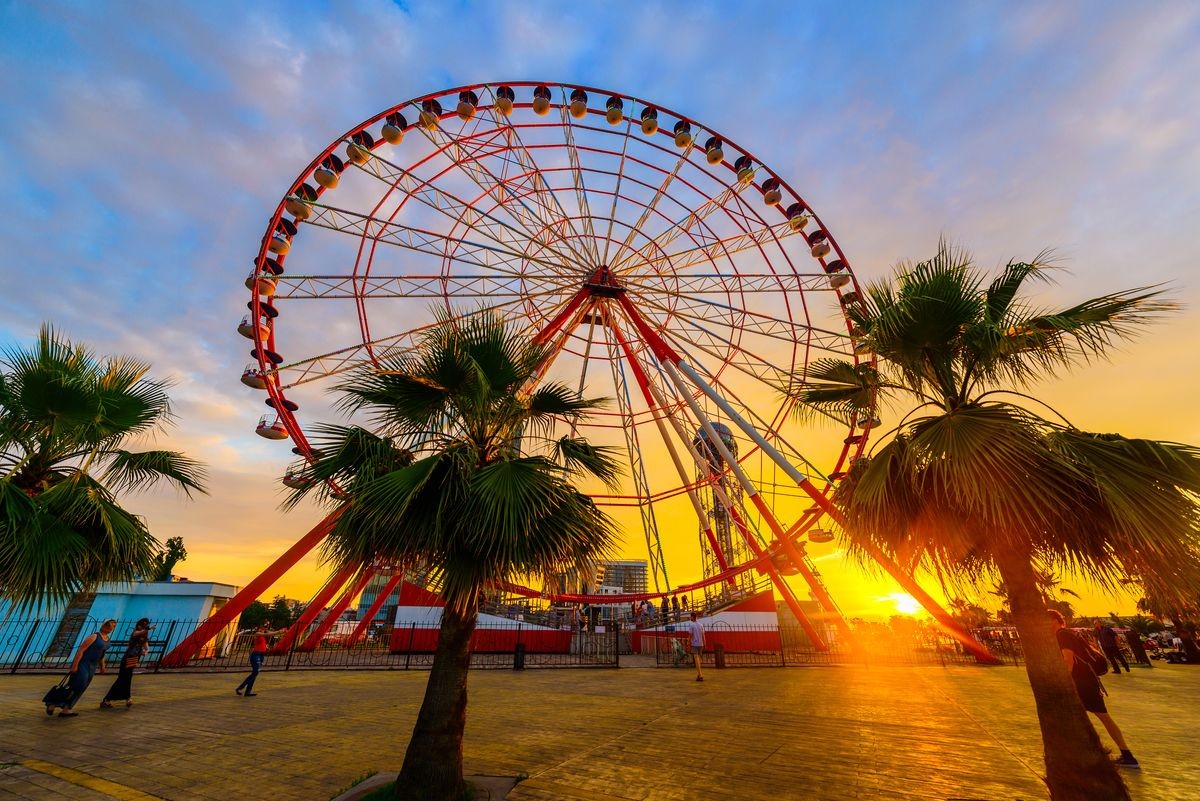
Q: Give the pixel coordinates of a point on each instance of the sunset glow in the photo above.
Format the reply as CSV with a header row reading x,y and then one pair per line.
x,y
902,603
186,144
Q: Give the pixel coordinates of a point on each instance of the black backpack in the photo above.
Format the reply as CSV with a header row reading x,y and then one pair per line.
x,y
1094,658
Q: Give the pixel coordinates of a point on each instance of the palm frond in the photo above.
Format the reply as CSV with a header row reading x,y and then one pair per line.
x,y
582,457
838,389
127,470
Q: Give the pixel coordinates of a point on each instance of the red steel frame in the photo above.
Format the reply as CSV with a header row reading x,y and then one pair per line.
x,y
466,155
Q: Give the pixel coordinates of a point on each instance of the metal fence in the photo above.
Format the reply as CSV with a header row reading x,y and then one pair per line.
x,y
789,646
40,645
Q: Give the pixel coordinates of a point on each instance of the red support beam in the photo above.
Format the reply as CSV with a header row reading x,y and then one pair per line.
x,y
906,582
561,318
335,612
335,583
643,382
191,645
373,610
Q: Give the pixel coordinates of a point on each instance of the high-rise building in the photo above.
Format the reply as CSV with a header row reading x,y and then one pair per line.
x,y
387,612
631,575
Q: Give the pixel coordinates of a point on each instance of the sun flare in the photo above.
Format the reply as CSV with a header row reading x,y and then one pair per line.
x,y
903,603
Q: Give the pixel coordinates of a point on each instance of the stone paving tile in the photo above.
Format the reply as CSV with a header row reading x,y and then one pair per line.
x,y
829,734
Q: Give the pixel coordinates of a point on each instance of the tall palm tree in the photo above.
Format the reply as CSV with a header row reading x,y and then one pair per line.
x,y
979,481
66,420
462,477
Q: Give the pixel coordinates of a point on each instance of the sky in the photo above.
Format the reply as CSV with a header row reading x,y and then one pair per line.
x,y
147,144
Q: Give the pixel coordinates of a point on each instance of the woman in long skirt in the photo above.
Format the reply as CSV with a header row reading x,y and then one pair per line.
x,y
88,660
121,689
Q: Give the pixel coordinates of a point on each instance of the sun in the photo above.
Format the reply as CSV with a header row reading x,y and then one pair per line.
x,y
903,603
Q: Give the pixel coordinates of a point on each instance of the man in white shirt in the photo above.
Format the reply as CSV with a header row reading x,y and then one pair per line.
x,y
697,633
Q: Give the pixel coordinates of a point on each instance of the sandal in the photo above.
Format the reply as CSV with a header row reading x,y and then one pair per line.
x,y
49,709
106,705
128,703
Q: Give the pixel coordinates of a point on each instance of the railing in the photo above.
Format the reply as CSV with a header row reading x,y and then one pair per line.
x,y
26,645
788,646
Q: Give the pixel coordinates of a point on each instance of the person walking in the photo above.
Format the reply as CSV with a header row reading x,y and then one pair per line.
x,y
697,642
1087,684
1110,644
122,689
258,652
89,659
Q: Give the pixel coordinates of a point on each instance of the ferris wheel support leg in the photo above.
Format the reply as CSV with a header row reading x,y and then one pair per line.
x,y
785,590
654,401
374,608
552,327
192,644
314,608
752,491
902,577
335,612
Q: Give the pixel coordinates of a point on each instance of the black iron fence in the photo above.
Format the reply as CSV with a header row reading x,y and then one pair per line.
x,y
789,646
40,645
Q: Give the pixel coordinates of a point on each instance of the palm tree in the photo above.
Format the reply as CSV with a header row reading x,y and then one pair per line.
x,y
66,419
976,482
461,477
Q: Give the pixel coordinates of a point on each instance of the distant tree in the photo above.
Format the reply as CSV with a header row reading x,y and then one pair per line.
x,y
165,562
904,626
969,615
254,616
1144,625
283,612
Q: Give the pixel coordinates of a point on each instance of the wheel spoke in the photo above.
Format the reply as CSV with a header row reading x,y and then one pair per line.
x,y
390,232
712,343
756,322
292,287
713,249
768,430
731,283
659,194
453,207
612,213
345,359
543,213
637,468
585,212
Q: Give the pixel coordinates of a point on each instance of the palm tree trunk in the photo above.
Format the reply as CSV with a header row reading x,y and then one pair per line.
x,y
1077,768
433,764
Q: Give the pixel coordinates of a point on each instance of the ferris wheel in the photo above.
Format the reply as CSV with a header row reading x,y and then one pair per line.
x,y
663,264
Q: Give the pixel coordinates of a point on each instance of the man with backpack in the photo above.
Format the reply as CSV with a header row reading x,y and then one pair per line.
x,y
1087,664
1111,645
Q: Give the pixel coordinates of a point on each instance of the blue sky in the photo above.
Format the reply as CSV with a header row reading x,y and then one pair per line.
x,y
146,144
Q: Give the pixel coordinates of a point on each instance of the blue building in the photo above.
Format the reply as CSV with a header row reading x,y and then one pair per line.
x,y
47,635
371,592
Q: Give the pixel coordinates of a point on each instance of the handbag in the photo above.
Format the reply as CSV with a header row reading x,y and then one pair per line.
x,y
59,694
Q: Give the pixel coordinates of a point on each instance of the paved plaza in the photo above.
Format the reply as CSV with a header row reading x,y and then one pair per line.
x,y
590,735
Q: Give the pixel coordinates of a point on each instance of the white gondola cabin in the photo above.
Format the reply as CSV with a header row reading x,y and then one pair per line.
x,y
249,326
271,427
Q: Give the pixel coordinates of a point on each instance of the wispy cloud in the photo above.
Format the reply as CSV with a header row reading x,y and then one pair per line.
x,y
145,147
